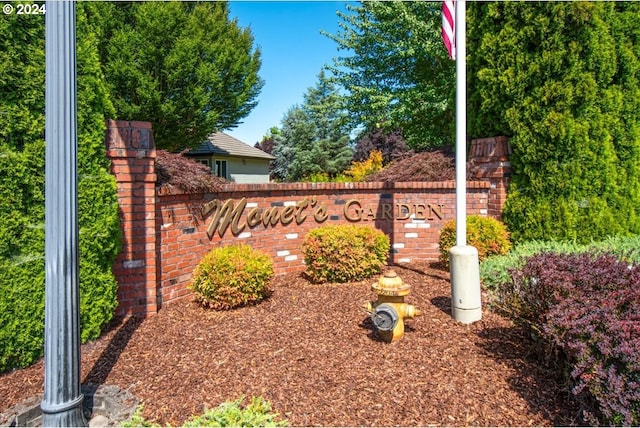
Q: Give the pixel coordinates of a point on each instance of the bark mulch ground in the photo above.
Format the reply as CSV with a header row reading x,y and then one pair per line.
x,y
312,352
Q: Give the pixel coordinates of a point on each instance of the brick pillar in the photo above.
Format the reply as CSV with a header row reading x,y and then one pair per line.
x,y
131,148
489,158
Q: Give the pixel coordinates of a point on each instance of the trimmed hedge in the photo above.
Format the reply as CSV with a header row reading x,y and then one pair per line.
x,y
488,235
342,253
569,102
232,276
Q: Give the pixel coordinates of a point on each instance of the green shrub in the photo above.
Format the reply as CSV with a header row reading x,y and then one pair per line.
x,y
625,248
232,414
341,253
137,420
495,270
488,235
575,152
22,180
232,276
229,414
21,313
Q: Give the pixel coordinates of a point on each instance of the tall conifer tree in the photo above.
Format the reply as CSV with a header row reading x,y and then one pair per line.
x,y
315,137
561,79
22,164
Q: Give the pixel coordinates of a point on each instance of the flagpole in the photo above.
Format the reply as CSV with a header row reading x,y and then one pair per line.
x,y
461,124
464,265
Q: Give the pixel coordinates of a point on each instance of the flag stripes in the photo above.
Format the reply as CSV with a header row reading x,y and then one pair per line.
x,y
448,27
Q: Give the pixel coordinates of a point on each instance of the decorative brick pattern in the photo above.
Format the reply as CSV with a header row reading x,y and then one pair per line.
x,y
165,233
490,159
131,148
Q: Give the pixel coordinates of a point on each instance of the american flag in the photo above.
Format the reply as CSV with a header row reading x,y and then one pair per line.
x,y
448,26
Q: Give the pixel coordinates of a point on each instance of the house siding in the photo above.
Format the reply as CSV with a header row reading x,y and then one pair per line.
x,y
242,171
247,171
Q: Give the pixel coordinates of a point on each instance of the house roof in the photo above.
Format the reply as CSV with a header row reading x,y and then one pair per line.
x,y
222,144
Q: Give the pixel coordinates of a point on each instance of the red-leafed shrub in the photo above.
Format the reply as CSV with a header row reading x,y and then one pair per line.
x,y
588,307
186,174
424,166
341,253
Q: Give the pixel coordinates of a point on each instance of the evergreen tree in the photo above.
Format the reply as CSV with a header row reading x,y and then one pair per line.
x,y
397,74
184,66
22,179
267,145
561,79
314,135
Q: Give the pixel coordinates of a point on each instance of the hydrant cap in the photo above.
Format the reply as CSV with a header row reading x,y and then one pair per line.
x,y
385,317
390,284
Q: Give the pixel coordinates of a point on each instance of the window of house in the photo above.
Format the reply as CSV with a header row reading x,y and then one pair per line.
x,y
203,161
220,168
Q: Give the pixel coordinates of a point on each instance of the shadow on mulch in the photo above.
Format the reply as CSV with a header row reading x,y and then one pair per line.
x,y
433,269
507,345
443,303
367,324
117,345
314,355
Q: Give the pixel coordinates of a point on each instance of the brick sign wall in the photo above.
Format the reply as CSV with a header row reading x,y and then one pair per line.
x,y
167,232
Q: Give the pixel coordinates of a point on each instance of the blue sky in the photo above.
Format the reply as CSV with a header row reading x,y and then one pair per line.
x,y
293,53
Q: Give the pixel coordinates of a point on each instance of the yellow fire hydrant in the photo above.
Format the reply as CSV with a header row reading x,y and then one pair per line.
x,y
389,310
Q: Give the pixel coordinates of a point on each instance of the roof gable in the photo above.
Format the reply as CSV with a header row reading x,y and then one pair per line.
x,y
222,144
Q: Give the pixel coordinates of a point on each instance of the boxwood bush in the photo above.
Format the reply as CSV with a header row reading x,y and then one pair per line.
x,y
488,235
342,253
232,276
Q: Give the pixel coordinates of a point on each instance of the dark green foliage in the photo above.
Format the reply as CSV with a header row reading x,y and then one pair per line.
x,y
232,276
587,306
396,71
21,310
342,253
561,79
488,235
313,138
184,66
22,153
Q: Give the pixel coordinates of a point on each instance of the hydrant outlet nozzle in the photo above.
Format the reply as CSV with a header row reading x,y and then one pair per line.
x,y
412,312
389,310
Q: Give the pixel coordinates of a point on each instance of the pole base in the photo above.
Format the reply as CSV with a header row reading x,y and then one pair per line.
x,y
466,306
